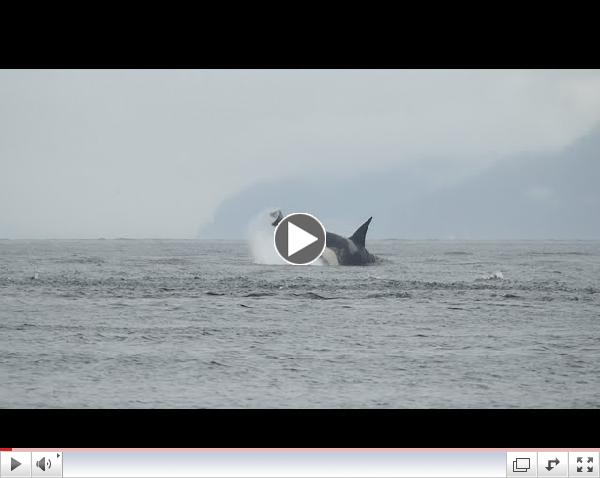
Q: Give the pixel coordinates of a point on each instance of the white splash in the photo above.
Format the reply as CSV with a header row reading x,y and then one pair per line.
x,y
260,239
496,276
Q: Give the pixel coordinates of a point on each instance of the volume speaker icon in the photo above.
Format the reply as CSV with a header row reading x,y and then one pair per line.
x,y
43,464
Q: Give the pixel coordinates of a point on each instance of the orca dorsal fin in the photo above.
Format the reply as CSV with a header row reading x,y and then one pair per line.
x,y
359,235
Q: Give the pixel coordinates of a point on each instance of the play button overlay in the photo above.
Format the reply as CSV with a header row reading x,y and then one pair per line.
x,y
300,238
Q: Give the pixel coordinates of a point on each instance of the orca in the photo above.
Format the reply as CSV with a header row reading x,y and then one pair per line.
x,y
339,250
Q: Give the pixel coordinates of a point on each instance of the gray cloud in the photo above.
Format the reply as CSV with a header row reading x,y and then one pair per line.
x,y
153,153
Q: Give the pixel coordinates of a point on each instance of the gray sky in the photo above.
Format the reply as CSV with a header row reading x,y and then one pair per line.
x,y
87,154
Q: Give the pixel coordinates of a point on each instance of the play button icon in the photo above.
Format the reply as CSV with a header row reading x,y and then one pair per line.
x,y
300,238
16,464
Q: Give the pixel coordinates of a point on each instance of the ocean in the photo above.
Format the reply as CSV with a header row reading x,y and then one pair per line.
x,y
199,324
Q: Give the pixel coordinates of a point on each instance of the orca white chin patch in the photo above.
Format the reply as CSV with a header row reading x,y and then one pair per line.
x,y
329,257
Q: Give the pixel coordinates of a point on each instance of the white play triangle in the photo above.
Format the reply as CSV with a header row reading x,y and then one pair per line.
x,y
298,239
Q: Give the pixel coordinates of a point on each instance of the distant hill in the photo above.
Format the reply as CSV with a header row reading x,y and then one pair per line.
x,y
530,196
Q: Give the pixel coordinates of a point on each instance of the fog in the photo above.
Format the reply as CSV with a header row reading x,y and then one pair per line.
x,y
154,153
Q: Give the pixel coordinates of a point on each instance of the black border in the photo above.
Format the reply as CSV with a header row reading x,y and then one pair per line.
x,y
262,36
300,428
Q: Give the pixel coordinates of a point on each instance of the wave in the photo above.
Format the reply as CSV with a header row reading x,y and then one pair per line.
x,y
391,295
313,295
559,253
495,276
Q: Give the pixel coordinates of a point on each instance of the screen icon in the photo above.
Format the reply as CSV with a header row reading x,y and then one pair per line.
x,y
521,464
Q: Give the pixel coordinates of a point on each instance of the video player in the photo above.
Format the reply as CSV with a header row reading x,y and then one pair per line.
x,y
299,463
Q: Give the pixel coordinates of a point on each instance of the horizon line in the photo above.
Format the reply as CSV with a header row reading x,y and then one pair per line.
x,y
241,239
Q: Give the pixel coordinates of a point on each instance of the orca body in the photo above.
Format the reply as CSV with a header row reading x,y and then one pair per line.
x,y
345,251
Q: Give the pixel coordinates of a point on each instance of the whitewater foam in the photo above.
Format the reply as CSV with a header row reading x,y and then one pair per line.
x,y
260,239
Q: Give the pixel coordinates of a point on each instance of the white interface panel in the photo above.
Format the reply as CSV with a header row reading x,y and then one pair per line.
x,y
299,463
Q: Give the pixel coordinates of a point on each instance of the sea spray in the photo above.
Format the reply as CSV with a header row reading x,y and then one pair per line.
x,y
260,239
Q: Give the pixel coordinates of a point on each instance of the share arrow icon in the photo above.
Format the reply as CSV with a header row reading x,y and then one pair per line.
x,y
550,467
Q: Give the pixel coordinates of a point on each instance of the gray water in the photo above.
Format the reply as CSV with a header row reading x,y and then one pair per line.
x,y
174,323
